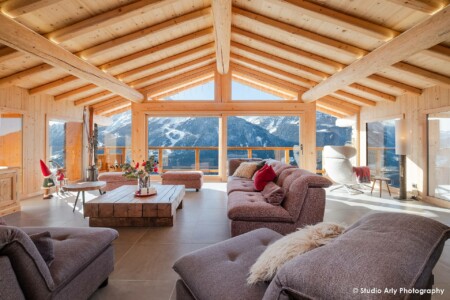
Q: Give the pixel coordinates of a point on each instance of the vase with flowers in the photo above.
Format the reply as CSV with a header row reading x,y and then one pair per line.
x,y
142,172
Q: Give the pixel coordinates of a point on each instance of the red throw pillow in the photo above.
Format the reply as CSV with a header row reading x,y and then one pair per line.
x,y
264,176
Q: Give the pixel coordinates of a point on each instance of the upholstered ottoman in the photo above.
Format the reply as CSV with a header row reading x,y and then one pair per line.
x,y
190,179
115,179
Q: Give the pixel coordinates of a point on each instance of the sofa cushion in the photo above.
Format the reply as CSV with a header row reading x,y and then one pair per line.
x,y
246,170
44,244
264,176
251,206
236,184
273,194
220,271
75,248
385,250
278,166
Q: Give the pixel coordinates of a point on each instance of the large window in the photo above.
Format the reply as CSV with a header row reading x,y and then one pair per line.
x,y
381,157
114,142
185,143
57,143
11,140
264,137
439,155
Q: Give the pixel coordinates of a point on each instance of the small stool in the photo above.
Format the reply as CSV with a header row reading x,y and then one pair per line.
x,y
380,180
190,179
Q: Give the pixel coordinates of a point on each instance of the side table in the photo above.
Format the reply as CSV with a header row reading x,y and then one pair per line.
x,y
381,180
84,186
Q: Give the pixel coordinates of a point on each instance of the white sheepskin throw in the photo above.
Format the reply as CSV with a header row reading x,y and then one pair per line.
x,y
288,247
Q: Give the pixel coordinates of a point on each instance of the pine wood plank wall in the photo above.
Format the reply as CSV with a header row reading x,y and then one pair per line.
x,y
415,109
34,109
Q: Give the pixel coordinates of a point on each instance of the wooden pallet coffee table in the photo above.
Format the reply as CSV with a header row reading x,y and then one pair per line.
x,y
120,207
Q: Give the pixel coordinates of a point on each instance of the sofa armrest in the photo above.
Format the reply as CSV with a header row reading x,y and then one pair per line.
x,y
10,290
234,163
314,181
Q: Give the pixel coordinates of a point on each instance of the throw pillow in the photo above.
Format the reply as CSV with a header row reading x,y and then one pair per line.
x,y
290,246
246,170
273,193
44,244
264,176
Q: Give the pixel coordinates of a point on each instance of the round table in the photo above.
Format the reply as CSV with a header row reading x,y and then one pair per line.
x,y
84,186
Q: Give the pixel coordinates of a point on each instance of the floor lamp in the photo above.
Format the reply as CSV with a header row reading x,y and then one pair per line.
x,y
401,149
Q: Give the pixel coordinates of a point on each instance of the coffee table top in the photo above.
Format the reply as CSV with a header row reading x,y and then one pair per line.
x,y
85,186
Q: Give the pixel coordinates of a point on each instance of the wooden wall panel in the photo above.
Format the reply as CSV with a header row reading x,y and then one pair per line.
x,y
35,108
415,109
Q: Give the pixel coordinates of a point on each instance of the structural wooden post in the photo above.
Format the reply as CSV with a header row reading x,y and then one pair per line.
x,y
223,146
222,86
138,134
308,138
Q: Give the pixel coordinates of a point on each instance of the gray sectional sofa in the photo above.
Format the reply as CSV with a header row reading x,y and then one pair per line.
x,y
83,260
381,252
304,202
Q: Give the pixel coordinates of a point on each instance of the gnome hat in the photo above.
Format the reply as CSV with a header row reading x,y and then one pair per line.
x,y
45,170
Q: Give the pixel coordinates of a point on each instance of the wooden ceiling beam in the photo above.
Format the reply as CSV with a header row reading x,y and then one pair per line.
x,y
17,8
112,107
373,92
16,77
105,103
425,6
107,19
426,34
310,36
341,104
334,17
262,81
68,94
423,74
123,60
199,61
142,33
332,108
93,98
255,74
278,59
330,112
19,37
186,87
319,59
265,88
221,11
7,53
116,112
302,81
354,98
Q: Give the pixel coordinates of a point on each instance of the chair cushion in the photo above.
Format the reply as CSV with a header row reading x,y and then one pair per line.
x,y
239,184
220,271
251,206
75,248
385,250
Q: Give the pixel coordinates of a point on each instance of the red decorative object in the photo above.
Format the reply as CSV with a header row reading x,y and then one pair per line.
x,y
138,194
137,165
265,175
45,170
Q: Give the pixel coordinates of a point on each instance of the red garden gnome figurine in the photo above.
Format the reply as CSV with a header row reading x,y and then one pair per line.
x,y
48,181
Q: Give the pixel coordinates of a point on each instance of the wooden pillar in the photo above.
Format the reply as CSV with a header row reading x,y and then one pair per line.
x,y
308,138
138,133
223,145
358,139
222,87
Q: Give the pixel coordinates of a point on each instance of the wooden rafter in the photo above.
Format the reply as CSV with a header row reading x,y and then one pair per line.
x,y
314,38
117,111
139,34
113,107
340,103
93,98
426,6
423,74
51,85
74,92
354,98
221,10
265,88
107,19
16,77
422,36
334,109
319,59
264,83
329,112
19,37
17,8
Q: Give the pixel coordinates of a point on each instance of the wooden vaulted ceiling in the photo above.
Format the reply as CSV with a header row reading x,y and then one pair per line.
x,y
344,54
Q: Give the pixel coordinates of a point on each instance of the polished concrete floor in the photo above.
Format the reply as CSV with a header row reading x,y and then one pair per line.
x,y
144,256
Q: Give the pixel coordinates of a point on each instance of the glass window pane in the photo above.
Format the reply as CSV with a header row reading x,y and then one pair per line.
x,y
381,157
439,155
185,143
57,144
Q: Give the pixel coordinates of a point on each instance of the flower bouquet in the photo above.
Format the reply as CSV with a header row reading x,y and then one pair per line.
x,y
142,172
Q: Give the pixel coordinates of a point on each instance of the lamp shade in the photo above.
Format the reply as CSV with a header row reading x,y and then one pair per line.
x,y
401,133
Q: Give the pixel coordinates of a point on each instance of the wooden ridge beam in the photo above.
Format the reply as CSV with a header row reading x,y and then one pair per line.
x,y
331,16
319,59
310,36
303,81
422,36
221,11
264,88
107,19
186,87
93,98
19,37
142,33
303,68
199,61
170,59
123,60
249,72
330,112
16,77
17,8
425,6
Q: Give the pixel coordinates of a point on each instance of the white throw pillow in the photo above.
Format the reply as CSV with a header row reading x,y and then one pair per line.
x,y
290,246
